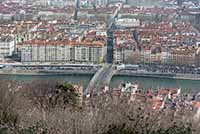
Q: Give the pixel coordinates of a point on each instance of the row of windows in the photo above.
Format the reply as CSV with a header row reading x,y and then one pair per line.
x,y
57,54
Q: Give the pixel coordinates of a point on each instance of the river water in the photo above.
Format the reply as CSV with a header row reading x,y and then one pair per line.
x,y
146,3
145,82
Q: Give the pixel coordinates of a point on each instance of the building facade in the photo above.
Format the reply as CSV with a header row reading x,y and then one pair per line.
x,y
7,48
58,51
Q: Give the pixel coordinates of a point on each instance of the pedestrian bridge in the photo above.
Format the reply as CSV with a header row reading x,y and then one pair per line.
x,y
101,79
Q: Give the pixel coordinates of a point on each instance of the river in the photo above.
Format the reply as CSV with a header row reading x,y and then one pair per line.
x,y
146,82
146,3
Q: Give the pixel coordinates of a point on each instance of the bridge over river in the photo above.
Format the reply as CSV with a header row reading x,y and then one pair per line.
x,y
101,79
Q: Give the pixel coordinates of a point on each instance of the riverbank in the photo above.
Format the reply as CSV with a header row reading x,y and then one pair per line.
x,y
49,72
92,72
159,75
146,82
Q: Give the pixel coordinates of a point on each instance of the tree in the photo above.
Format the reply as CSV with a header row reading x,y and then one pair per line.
x,y
49,95
22,111
38,128
8,115
65,94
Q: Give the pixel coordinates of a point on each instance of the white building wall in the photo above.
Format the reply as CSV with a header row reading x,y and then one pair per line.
x,y
7,48
51,53
67,53
127,22
59,53
35,53
26,54
41,53
81,53
94,55
118,56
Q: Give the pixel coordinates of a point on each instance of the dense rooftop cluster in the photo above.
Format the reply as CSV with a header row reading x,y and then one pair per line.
x,y
141,34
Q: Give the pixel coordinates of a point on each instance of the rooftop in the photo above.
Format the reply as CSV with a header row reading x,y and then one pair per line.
x,y
56,42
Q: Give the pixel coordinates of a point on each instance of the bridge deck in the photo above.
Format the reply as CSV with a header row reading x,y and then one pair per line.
x,y
101,78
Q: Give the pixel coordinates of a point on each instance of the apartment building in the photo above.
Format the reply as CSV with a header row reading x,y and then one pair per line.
x,y
88,54
118,55
127,22
61,51
183,57
7,46
122,53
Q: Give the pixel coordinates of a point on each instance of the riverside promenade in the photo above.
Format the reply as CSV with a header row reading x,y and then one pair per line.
x,y
93,71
